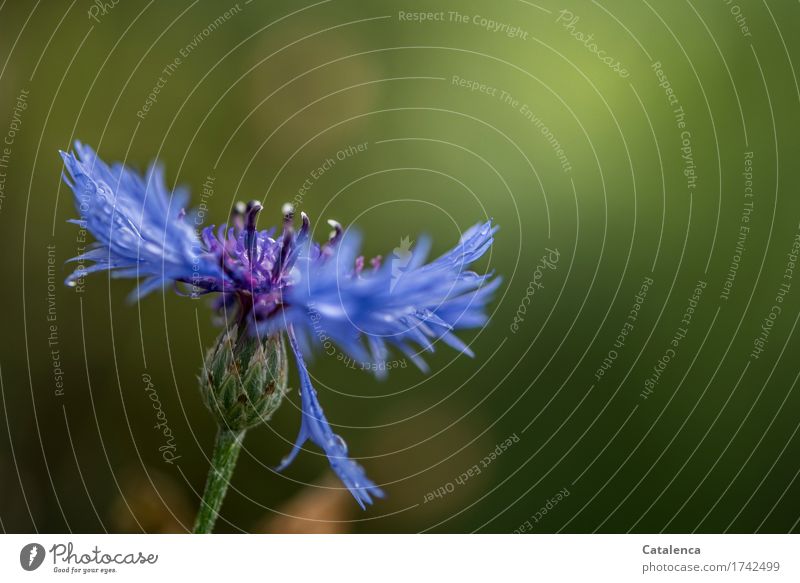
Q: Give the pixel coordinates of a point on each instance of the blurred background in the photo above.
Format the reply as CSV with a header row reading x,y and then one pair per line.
x,y
639,369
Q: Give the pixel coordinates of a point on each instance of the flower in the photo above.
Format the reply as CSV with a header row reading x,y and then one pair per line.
x,y
284,284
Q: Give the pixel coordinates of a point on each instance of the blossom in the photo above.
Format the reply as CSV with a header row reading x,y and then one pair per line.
x,y
284,283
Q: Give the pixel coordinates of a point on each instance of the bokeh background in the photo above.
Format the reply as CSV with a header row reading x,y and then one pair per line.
x,y
625,142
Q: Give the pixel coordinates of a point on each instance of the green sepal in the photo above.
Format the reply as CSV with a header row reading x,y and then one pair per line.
x,y
244,378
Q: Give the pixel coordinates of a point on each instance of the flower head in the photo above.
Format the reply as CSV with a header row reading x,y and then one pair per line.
x,y
284,283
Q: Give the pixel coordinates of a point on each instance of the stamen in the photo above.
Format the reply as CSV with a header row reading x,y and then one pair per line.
x,y
288,213
336,234
305,229
306,224
287,240
251,214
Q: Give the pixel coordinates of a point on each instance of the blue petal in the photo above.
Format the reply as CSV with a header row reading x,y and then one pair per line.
x,y
419,303
137,222
315,426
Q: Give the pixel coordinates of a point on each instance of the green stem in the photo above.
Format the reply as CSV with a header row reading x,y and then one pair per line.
x,y
223,461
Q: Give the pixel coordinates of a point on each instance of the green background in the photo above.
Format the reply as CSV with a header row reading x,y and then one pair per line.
x,y
275,90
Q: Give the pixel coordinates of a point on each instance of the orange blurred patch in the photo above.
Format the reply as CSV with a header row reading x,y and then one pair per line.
x,y
324,508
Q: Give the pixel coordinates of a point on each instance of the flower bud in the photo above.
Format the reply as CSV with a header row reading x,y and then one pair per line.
x,y
244,378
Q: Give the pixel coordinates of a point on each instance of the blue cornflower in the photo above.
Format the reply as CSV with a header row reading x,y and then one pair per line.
x,y
283,283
